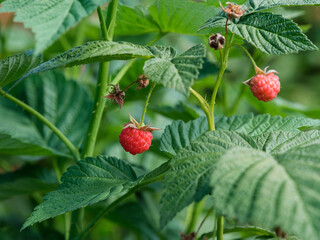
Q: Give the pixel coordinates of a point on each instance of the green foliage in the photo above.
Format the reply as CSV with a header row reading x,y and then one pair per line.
x,y
259,5
26,180
187,178
266,169
176,72
179,134
14,67
49,19
272,34
179,16
90,181
96,51
64,103
263,123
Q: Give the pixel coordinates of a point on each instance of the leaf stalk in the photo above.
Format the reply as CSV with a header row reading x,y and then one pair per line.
x,y
73,150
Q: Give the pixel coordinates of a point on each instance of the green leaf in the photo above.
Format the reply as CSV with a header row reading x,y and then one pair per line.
x,y
176,72
180,16
135,21
14,67
179,134
256,125
259,5
176,191
164,16
64,103
49,19
270,180
90,181
272,33
96,51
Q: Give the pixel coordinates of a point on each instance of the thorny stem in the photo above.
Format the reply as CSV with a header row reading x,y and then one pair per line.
x,y
102,85
73,150
99,104
146,104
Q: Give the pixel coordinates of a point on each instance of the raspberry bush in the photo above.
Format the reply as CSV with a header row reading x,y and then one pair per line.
x,y
221,165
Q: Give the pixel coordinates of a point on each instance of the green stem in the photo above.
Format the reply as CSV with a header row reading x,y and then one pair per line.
x,y
196,210
248,54
204,219
205,107
98,108
220,228
111,19
123,71
45,121
103,26
146,104
102,85
224,64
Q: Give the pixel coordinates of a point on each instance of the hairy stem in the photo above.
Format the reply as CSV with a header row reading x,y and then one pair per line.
x,y
146,104
224,64
73,150
205,107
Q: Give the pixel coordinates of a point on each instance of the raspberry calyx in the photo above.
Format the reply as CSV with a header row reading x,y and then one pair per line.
x,y
136,138
265,86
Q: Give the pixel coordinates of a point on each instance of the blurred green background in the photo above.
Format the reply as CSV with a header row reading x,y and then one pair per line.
x,y
300,95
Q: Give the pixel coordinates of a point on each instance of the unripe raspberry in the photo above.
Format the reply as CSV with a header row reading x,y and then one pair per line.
x,y
264,86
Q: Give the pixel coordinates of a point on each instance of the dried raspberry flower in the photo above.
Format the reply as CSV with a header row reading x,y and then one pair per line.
x,y
216,41
264,85
233,10
116,95
143,81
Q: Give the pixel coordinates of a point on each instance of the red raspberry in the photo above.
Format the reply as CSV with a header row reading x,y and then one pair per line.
x,y
135,138
265,87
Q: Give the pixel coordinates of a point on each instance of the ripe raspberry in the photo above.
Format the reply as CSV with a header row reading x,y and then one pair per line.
x,y
135,141
264,86
135,138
